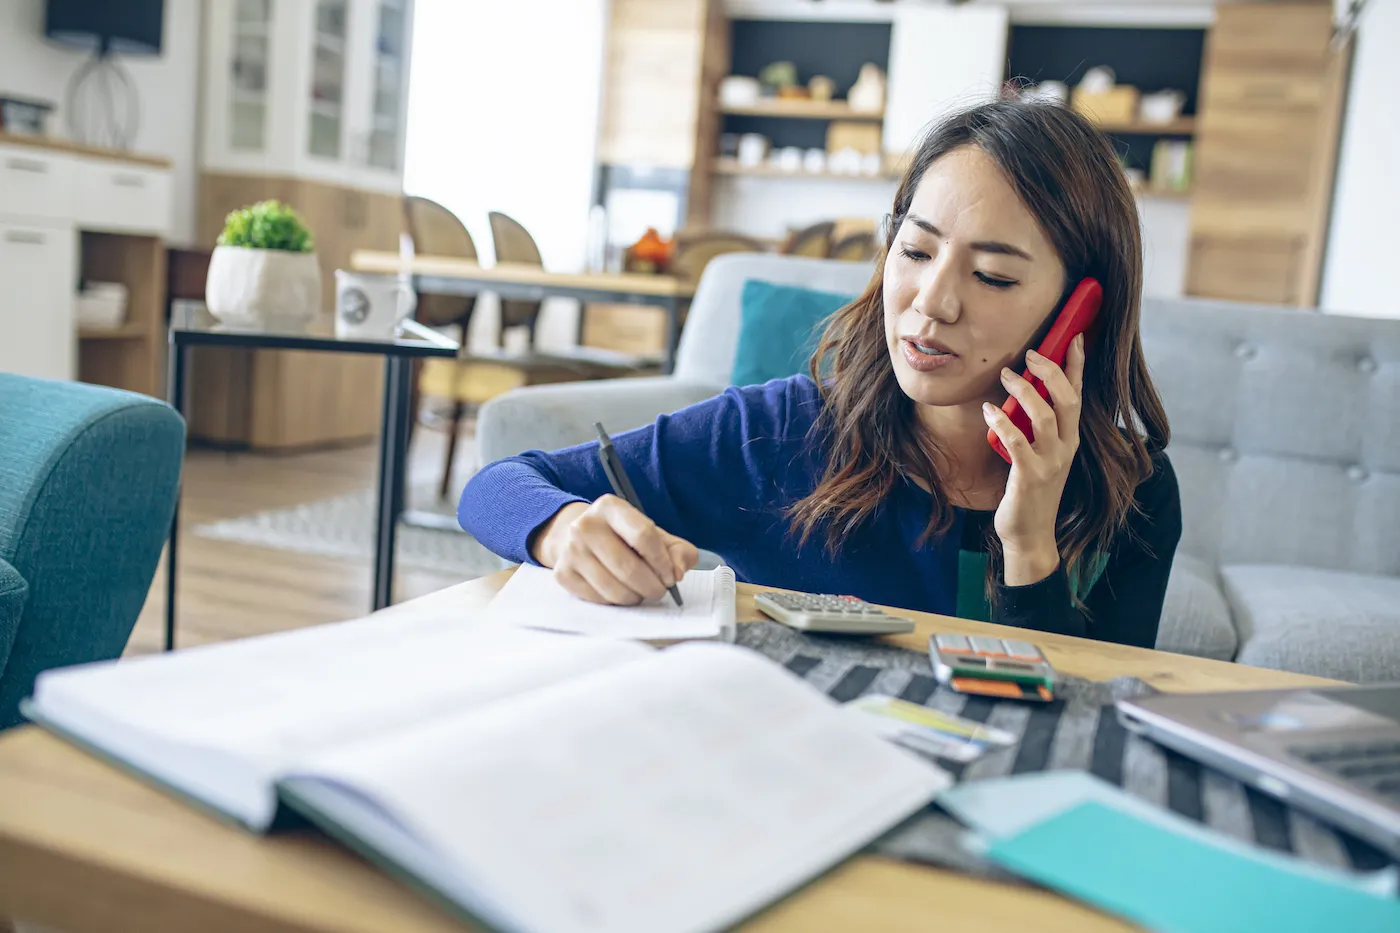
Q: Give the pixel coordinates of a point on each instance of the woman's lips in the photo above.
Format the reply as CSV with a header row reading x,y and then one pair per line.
x,y
924,362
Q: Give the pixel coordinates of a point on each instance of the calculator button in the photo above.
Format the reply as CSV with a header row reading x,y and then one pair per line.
x,y
988,646
952,643
1023,651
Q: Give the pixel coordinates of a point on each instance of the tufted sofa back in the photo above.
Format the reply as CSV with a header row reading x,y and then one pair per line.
x,y
1285,432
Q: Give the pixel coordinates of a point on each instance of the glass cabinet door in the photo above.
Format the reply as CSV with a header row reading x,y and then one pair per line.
x,y
327,113
247,127
389,76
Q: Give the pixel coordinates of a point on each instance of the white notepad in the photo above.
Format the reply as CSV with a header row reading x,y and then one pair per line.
x,y
534,599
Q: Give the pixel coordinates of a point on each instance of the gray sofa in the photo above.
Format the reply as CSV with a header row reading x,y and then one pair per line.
x,y
1285,439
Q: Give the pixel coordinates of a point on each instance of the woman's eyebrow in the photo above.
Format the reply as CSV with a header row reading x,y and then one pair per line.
x,y
985,246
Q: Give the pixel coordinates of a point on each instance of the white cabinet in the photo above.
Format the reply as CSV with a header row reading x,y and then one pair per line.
x,y
38,264
118,198
35,184
942,58
312,89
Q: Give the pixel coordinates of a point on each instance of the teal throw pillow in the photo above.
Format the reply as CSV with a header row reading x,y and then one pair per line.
x,y
779,327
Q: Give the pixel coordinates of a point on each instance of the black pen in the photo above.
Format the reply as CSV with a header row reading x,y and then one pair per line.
x,y
622,486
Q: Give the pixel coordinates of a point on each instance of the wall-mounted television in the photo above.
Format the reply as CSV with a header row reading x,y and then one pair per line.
x,y
128,27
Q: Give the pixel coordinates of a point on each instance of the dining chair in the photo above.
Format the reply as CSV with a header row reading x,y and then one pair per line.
x,y
437,231
813,241
695,250
857,247
514,244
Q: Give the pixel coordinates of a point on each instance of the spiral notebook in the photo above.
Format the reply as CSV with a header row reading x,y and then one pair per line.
x,y
534,599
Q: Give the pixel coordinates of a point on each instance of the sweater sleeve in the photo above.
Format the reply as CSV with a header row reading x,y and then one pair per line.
x,y
704,473
1125,605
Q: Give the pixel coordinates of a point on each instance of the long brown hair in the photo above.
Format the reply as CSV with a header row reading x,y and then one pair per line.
x,y
1066,174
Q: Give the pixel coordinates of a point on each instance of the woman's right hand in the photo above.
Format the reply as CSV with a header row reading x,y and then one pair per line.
x,y
609,552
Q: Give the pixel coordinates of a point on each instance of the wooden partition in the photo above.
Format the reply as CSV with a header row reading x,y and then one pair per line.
x,y
1273,95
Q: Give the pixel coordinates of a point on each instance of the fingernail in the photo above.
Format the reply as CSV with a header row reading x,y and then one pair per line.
x,y
1032,355
988,409
1006,374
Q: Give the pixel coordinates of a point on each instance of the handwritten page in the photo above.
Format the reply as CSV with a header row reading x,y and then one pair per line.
x,y
534,599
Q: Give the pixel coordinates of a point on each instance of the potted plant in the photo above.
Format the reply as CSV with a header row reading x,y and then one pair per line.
x,y
263,270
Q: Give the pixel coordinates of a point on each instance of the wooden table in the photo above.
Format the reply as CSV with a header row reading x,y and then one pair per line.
x,y
445,275
83,847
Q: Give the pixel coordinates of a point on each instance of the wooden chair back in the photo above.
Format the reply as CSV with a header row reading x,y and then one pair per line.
x,y
694,251
513,243
436,231
858,247
813,241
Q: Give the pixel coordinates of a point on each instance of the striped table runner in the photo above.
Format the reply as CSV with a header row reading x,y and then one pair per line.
x,y
1078,731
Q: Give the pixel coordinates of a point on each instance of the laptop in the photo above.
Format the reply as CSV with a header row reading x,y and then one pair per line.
x,y
1331,751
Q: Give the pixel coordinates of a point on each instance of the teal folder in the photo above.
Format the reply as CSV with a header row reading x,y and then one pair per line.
x,y
1177,883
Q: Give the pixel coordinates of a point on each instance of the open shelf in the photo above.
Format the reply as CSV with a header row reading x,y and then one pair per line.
x,y
798,109
732,167
131,356
1181,126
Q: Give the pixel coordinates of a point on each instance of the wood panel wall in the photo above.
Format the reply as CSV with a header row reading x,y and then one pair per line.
x,y
270,399
1272,99
652,82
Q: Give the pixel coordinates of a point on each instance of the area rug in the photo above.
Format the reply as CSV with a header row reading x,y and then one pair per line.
x,y
344,527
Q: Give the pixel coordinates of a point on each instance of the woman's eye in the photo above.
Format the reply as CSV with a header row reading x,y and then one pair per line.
x,y
993,281
914,254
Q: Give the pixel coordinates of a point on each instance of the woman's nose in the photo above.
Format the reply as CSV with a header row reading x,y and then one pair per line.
x,y
938,294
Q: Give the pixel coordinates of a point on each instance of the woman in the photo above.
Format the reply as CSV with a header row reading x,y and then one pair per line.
x,y
874,477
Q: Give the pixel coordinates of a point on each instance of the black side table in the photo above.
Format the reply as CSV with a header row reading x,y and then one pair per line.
x,y
190,327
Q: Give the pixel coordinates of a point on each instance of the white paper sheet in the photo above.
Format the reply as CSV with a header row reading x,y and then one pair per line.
x,y
534,599
675,794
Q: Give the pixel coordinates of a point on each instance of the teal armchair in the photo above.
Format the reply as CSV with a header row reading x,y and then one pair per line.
x,y
88,480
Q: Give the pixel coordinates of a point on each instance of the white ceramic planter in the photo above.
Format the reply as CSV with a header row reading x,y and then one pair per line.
x,y
256,287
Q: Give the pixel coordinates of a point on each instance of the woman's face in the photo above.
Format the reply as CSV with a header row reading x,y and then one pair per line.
x,y
969,281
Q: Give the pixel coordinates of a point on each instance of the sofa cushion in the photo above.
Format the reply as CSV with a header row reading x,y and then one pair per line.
x,y
1285,432
779,327
1195,616
1325,622
711,334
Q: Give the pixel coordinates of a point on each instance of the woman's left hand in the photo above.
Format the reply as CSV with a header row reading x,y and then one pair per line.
x,y
1025,520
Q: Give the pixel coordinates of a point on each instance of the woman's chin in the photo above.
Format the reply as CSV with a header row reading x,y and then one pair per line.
x,y
938,387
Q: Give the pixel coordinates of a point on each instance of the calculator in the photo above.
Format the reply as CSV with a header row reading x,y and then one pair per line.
x,y
835,614
992,667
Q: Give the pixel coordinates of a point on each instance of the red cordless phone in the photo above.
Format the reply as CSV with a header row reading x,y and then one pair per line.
x,y
1075,318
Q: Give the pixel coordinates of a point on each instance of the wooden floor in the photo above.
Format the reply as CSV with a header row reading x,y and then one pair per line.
x,y
229,590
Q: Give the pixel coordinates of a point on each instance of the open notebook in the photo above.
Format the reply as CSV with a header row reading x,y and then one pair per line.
x,y
534,781
533,599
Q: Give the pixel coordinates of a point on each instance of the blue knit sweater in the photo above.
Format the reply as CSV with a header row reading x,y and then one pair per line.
x,y
723,473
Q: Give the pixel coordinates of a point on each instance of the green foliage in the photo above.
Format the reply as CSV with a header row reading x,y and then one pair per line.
x,y
267,225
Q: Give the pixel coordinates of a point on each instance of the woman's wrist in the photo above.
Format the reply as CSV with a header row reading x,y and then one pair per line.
x,y
544,546
1024,563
